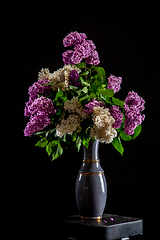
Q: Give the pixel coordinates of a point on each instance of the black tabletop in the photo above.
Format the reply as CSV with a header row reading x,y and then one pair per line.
x,y
110,227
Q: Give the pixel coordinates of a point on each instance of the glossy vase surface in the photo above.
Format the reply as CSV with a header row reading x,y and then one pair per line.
x,y
91,186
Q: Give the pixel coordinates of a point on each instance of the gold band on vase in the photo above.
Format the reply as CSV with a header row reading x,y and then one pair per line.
x,y
91,173
88,160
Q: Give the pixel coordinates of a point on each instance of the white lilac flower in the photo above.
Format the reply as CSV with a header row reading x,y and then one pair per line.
x,y
68,126
102,125
61,77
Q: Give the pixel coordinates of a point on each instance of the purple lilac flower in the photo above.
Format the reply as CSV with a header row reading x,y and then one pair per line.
x,y
74,38
76,57
66,57
134,101
36,123
93,103
37,88
42,104
85,48
40,111
82,49
117,115
114,83
133,106
34,90
73,77
93,59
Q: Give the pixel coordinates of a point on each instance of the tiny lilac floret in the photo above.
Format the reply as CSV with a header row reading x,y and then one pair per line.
x,y
112,219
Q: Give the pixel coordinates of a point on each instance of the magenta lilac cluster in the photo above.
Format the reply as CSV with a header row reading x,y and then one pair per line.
x,y
73,77
37,122
114,83
117,115
133,106
93,103
82,49
36,89
40,111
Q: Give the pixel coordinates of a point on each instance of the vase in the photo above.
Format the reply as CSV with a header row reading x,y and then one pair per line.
x,y
91,186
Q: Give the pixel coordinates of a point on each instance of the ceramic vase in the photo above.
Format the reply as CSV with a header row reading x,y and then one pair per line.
x,y
91,186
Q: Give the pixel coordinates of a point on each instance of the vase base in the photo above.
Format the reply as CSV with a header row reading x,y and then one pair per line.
x,y
91,218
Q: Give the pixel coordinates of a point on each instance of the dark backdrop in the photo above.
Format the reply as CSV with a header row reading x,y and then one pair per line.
x,y
127,43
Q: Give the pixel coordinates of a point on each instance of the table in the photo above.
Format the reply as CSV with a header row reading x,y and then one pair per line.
x,y
110,227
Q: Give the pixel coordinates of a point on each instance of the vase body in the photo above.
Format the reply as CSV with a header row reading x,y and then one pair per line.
x,y
91,186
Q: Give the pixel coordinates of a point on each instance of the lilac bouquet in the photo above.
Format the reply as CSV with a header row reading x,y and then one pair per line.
x,y
77,103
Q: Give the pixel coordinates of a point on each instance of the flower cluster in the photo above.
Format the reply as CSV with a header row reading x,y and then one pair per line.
x,y
61,77
74,38
36,123
93,103
77,100
133,106
40,111
82,49
117,115
36,89
73,77
74,106
102,128
68,126
114,83
42,104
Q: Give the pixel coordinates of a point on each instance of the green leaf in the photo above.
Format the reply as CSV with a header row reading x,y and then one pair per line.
x,y
84,98
74,136
118,145
58,112
84,82
101,73
60,98
85,90
49,148
95,76
106,92
42,143
124,136
95,85
118,102
80,65
50,83
57,150
92,95
79,92
78,143
73,87
85,140
84,73
137,131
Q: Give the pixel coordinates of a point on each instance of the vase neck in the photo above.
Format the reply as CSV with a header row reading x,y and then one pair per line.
x,y
92,152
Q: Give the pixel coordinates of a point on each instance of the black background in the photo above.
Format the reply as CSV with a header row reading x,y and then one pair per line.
x,y
127,43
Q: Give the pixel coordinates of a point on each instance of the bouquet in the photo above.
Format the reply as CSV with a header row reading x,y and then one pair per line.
x,y
78,103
